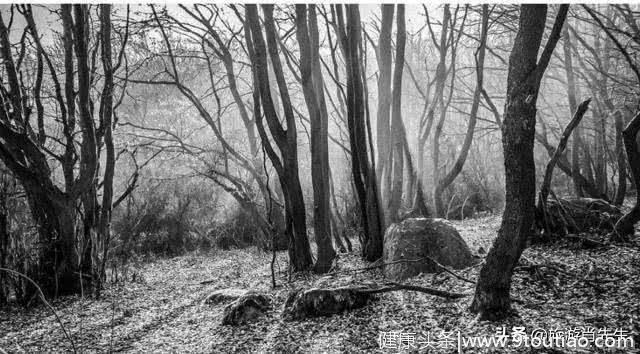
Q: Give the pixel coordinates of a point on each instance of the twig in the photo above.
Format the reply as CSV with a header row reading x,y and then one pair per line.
x,y
11,271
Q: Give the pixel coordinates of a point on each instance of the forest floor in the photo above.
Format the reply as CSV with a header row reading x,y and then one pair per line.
x,y
163,310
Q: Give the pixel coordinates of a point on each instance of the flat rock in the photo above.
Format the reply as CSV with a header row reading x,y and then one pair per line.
x,y
246,308
418,239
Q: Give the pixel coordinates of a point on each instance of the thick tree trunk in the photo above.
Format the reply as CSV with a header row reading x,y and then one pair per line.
x,y
54,210
492,299
363,174
58,272
313,89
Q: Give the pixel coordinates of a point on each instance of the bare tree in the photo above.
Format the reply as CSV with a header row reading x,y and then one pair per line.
x,y
313,88
450,176
285,139
362,165
492,299
29,157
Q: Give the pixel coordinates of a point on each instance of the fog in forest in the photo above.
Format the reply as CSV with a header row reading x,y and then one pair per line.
x,y
246,163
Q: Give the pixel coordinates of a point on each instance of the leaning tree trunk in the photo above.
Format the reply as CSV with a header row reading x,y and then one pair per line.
x,y
548,174
624,229
491,300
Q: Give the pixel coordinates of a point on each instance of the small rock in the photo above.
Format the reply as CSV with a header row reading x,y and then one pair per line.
x,y
481,250
223,295
246,308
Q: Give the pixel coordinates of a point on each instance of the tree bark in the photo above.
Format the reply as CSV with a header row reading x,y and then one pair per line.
x,y
441,77
383,135
491,300
313,90
621,190
21,150
624,228
285,140
397,126
363,174
573,104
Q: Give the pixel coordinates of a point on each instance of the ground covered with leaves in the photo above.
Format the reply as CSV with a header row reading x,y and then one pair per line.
x,y
559,286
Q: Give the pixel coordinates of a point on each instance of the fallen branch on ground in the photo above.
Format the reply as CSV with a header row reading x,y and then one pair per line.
x,y
410,261
392,286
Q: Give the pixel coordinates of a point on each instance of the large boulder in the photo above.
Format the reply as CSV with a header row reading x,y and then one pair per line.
x,y
246,308
419,241
324,302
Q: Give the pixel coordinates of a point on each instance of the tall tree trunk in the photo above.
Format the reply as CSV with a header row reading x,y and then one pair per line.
x,y
446,181
383,136
573,104
363,174
285,140
441,77
397,126
313,89
106,106
491,298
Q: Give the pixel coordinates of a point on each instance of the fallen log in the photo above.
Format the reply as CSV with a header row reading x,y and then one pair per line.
x,y
317,302
572,216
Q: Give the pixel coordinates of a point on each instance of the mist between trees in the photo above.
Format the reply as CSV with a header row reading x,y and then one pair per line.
x,y
132,131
